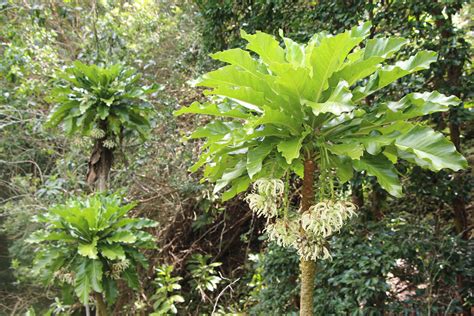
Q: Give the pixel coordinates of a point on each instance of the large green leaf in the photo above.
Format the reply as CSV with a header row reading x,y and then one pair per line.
x,y
239,185
230,174
338,103
290,149
131,277
110,290
266,46
88,250
343,166
381,168
376,51
238,57
389,74
328,56
211,109
122,236
112,252
255,157
418,104
88,279
431,147
353,150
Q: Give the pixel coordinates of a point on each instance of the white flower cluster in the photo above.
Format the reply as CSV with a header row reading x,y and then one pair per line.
x,y
327,217
311,248
266,197
306,233
284,232
117,269
97,133
108,143
64,276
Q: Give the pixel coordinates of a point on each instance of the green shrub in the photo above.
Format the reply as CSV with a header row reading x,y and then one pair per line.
x,y
165,297
89,243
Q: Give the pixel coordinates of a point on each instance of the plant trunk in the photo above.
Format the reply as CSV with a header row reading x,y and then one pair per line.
x,y
100,307
454,72
459,203
100,163
307,267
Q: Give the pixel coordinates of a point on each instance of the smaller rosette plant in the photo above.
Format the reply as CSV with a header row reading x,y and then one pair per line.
x,y
88,244
106,103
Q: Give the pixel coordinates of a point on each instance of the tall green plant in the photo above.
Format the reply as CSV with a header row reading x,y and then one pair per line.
x,y
105,103
87,244
301,108
93,98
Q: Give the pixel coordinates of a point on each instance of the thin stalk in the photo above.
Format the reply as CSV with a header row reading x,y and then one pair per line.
x,y
286,193
307,267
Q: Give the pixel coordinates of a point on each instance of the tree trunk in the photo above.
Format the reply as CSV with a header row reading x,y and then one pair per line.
x,y
357,196
458,203
307,267
99,166
100,307
454,72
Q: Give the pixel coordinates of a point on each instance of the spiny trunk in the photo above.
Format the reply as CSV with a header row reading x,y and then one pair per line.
x,y
307,267
99,166
100,308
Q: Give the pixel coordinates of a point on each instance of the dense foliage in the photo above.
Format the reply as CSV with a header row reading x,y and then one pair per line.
x,y
363,278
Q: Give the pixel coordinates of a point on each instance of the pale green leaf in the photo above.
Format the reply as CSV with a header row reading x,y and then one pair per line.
x,y
211,109
112,252
353,150
88,279
239,185
431,147
375,51
266,46
88,250
122,236
290,149
238,57
343,166
338,103
329,55
229,175
419,104
389,74
256,155
381,168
